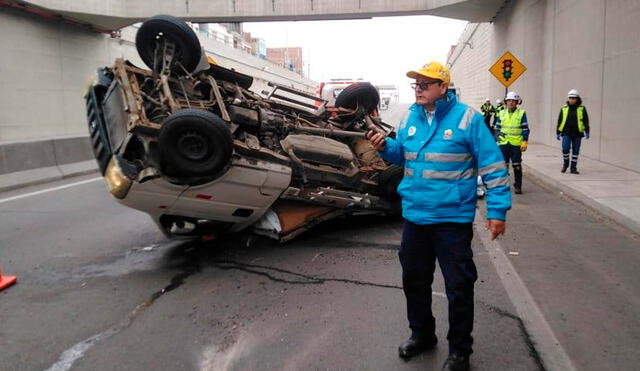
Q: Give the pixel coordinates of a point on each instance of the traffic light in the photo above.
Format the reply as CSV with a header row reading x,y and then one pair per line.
x,y
506,69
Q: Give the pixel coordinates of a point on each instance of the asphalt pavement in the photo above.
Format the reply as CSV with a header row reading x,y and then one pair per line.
x,y
100,288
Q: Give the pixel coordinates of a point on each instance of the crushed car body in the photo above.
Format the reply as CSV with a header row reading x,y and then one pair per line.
x,y
190,144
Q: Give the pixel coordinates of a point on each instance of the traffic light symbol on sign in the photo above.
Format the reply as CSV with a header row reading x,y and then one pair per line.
x,y
506,69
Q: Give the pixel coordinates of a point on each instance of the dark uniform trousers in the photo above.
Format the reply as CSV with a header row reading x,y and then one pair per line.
x,y
514,154
450,244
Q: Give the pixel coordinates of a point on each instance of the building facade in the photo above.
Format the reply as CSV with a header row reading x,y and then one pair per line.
x,y
290,58
585,45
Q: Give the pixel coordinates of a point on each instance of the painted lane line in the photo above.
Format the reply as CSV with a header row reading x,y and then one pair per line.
x,y
551,351
48,190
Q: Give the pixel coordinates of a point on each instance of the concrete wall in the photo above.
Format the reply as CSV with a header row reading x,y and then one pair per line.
x,y
472,52
44,66
115,14
21,156
589,45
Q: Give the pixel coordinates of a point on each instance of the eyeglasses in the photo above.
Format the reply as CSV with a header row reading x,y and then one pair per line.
x,y
423,85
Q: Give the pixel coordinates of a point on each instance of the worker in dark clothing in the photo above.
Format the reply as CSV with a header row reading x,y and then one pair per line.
x,y
487,111
573,125
513,135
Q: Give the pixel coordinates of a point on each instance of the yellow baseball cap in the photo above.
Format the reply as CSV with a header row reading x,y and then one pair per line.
x,y
433,70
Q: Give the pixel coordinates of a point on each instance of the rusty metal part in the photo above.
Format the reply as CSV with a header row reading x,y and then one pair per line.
x,y
337,198
164,81
150,99
293,215
219,100
298,164
329,132
366,154
312,223
136,70
132,96
184,92
311,124
372,126
194,103
167,56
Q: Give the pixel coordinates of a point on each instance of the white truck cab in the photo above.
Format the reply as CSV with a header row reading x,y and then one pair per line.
x,y
330,90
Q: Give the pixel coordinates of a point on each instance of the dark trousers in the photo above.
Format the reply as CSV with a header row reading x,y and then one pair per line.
x,y
573,144
487,121
450,244
513,154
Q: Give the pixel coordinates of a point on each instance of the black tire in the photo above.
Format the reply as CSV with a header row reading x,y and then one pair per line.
x,y
187,46
194,142
389,180
361,94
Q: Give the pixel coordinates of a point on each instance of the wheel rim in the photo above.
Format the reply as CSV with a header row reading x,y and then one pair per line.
x,y
193,146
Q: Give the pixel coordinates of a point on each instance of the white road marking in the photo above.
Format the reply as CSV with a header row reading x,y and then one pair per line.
x,y
48,190
551,352
69,356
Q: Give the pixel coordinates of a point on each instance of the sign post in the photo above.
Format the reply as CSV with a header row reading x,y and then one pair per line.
x,y
507,70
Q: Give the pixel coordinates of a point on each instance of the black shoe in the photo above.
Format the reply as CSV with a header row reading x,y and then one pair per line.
x,y
518,190
416,345
456,362
564,169
575,171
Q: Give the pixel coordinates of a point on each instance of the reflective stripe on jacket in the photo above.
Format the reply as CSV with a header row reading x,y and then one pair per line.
x,y
442,161
579,113
511,127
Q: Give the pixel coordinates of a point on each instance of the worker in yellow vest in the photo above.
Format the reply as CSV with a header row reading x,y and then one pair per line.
x,y
513,135
499,107
488,111
573,125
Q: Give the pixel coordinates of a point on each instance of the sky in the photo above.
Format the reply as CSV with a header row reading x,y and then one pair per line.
x,y
380,50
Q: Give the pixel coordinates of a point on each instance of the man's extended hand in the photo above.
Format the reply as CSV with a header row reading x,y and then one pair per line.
x,y
497,227
376,140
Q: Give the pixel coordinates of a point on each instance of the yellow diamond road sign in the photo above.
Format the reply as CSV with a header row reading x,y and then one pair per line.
x,y
507,69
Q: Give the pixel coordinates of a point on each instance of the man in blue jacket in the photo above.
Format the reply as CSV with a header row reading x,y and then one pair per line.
x,y
443,145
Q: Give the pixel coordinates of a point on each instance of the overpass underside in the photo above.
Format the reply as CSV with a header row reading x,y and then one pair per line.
x,y
107,15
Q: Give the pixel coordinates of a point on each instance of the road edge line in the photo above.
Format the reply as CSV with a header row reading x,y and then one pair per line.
x,y
553,355
13,198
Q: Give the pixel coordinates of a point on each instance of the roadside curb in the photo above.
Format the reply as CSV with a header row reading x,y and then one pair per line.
x,y
594,204
20,179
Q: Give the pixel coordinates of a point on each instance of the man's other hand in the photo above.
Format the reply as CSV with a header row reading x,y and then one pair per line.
x,y
496,227
376,140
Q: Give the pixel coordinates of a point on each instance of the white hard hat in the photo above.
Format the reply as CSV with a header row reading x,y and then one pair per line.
x,y
512,95
488,100
573,93
498,101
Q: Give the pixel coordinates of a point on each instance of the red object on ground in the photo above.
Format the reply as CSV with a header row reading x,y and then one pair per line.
x,y
6,281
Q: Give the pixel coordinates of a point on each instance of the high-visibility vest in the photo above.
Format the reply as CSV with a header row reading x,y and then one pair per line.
x,y
565,113
511,126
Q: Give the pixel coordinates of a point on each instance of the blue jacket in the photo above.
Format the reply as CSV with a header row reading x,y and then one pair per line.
x,y
442,161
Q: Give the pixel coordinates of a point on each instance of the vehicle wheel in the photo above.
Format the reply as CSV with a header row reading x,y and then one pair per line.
x,y
160,28
359,94
194,142
389,180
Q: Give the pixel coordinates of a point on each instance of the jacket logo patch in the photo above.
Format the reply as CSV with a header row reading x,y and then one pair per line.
x,y
412,130
447,134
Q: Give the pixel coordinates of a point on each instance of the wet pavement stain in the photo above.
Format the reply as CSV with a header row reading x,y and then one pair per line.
x,y
266,271
526,337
